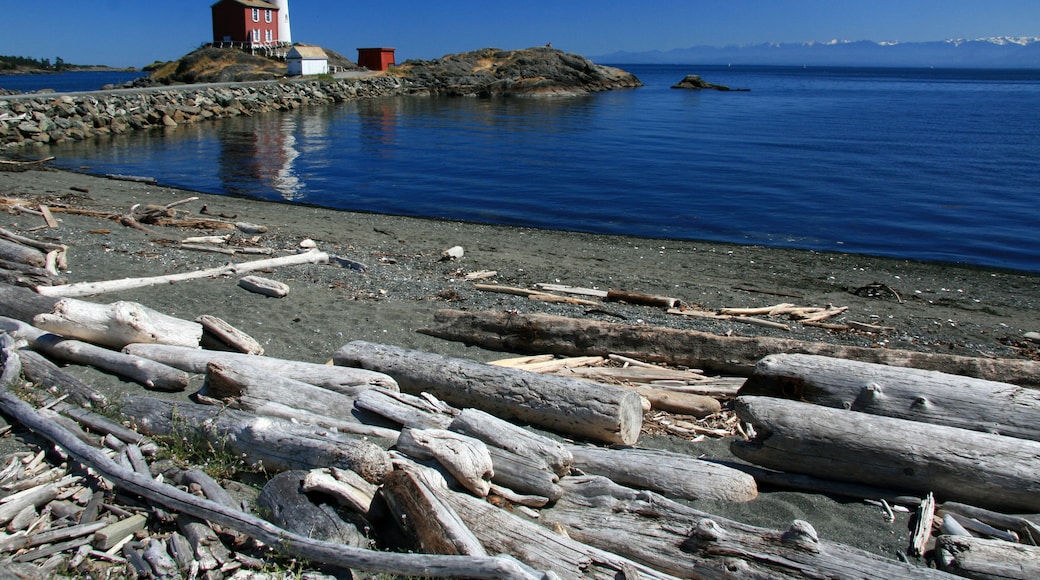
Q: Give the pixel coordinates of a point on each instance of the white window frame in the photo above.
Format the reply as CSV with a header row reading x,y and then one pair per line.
x,y
256,15
267,16
256,35
268,36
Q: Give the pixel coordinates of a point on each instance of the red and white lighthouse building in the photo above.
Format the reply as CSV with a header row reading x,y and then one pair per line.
x,y
251,23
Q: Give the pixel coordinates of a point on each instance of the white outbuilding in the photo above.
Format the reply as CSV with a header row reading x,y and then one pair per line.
x,y
307,60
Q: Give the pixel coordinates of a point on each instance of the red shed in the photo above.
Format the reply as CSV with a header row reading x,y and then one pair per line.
x,y
376,58
249,22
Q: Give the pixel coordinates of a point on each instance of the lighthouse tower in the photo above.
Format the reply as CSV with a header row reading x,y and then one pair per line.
x,y
284,34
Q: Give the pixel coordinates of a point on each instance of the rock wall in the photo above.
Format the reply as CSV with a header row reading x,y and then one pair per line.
x,y
53,118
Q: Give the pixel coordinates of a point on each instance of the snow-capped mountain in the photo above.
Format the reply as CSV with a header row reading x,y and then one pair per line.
x,y
995,52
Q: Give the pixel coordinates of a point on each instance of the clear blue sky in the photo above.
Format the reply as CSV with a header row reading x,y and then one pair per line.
x,y
138,32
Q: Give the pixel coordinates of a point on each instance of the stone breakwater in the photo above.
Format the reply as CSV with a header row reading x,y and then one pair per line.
x,y
28,121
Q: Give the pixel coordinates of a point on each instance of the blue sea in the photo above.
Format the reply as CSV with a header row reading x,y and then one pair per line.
x,y
922,164
67,82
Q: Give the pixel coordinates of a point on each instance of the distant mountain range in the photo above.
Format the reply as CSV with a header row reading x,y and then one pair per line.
x,y
997,52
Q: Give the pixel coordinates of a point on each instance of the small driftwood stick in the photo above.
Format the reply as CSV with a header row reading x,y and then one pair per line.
x,y
88,288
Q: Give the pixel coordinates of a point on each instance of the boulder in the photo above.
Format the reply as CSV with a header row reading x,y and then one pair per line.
x,y
696,83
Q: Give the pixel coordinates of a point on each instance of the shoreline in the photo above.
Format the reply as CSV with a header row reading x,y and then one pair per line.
x,y
929,307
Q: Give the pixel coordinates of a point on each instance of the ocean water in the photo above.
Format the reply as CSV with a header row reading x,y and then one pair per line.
x,y
936,165
67,82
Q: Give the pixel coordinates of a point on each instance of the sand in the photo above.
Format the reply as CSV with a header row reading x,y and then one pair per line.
x,y
930,307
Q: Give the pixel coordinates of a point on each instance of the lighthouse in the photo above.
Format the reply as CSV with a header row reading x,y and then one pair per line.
x,y
284,34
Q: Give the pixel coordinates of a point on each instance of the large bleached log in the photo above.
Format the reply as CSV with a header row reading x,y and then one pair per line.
x,y
981,469
972,557
914,394
570,406
276,443
689,543
243,387
542,333
89,288
118,324
276,538
501,532
349,381
673,475
146,372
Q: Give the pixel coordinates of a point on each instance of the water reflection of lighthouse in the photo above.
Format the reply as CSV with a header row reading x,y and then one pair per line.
x,y
269,149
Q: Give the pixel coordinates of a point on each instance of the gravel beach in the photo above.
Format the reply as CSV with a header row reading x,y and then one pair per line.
x,y
927,307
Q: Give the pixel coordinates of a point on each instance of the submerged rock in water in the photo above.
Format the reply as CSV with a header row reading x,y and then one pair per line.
x,y
695,82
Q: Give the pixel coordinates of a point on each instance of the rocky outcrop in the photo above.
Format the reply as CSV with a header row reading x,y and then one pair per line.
x,y
695,82
53,118
221,65
529,72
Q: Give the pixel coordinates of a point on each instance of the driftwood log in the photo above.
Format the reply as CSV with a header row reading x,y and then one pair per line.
x,y
673,475
956,464
913,394
277,444
275,537
349,381
575,407
118,324
148,373
542,333
501,532
242,386
677,539
972,557
89,288
551,454
23,304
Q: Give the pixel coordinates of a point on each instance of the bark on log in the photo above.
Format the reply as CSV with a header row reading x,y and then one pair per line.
x,y
277,444
277,538
542,333
348,381
956,464
88,288
990,559
118,324
677,539
913,394
673,475
149,373
569,406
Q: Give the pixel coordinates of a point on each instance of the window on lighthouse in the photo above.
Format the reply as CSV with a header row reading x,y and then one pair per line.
x,y
256,15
